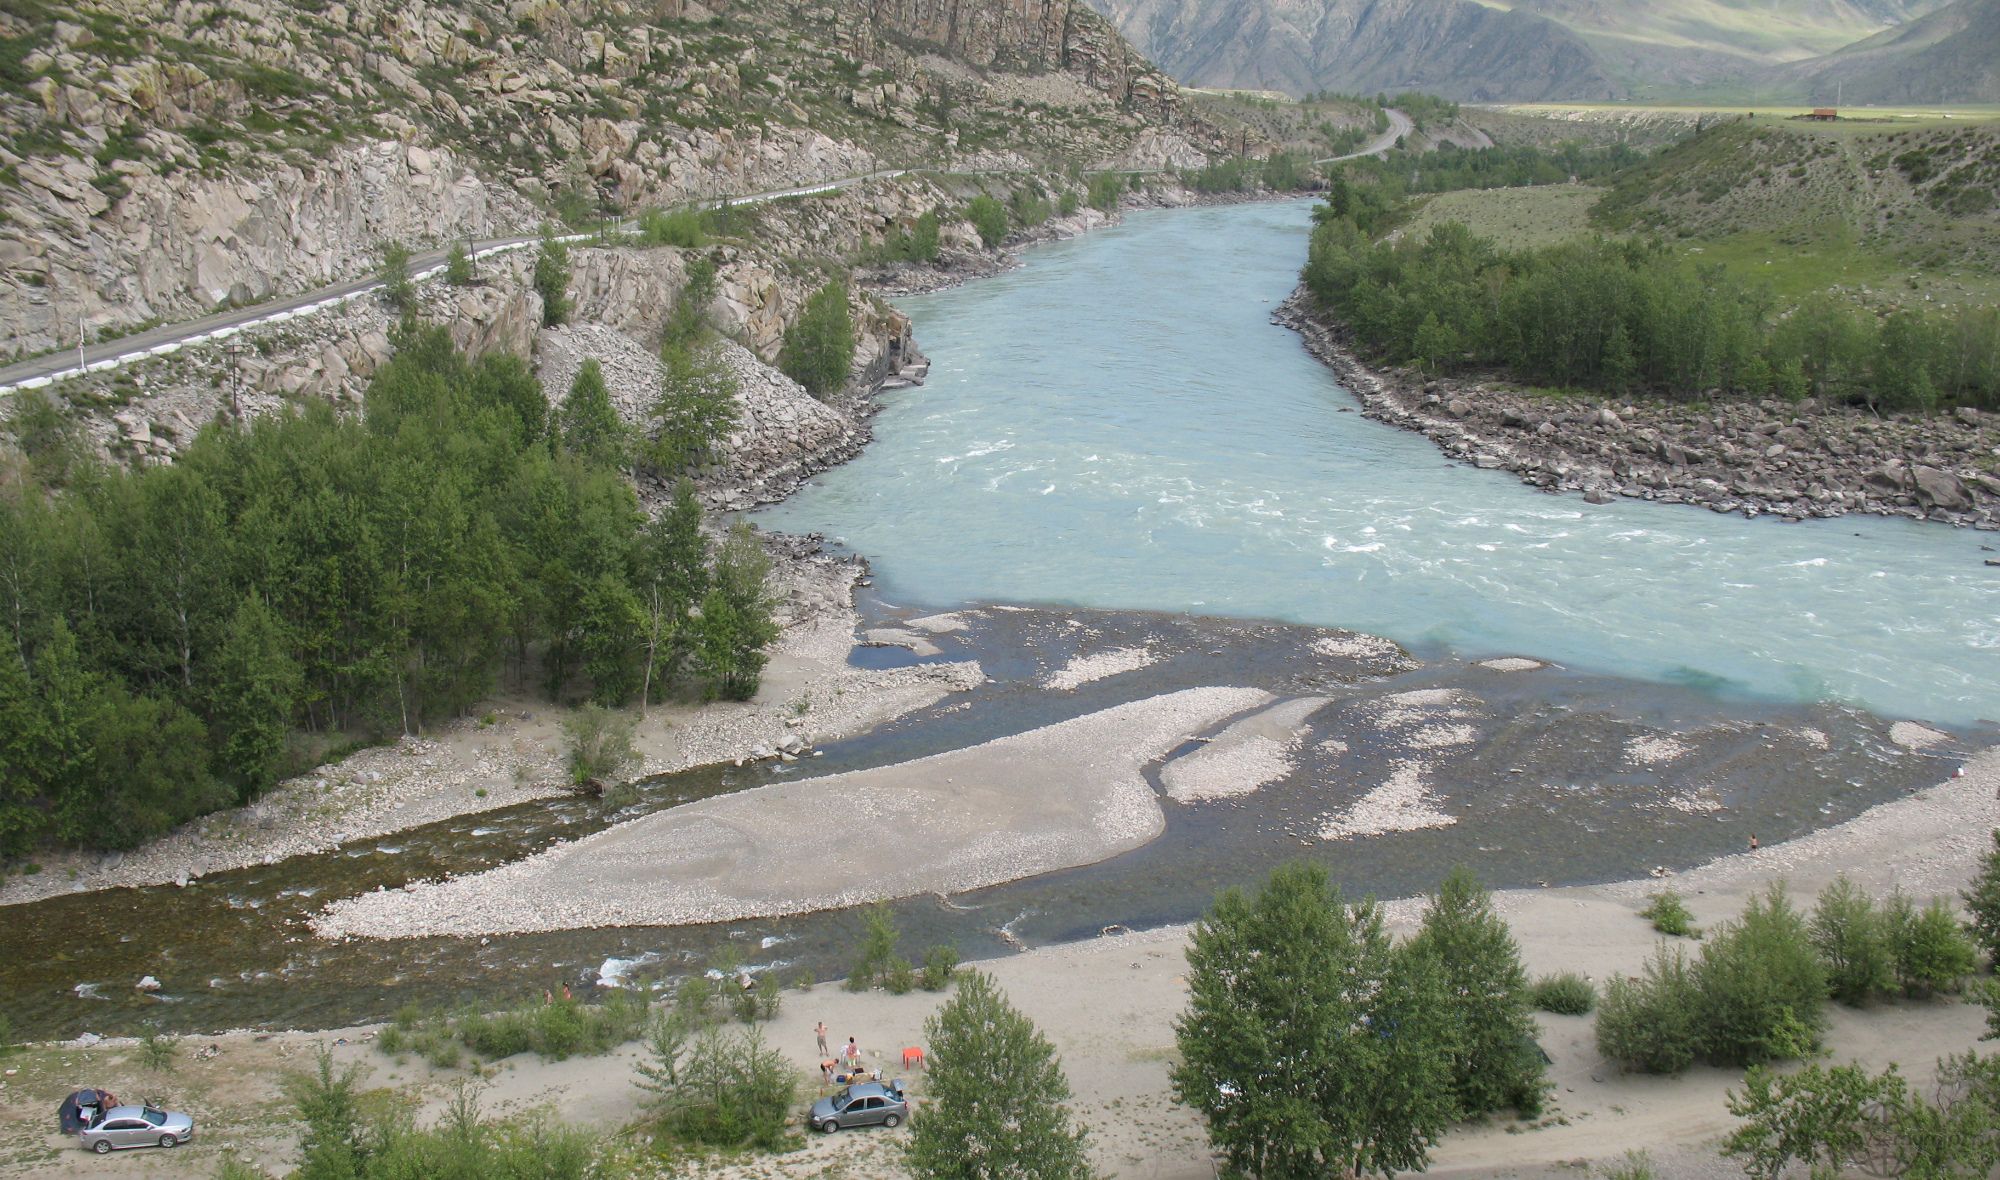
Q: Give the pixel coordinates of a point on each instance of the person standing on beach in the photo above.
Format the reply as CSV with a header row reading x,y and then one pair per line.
x,y
819,1030
853,1052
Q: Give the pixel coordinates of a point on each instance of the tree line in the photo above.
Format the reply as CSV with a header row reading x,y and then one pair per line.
x,y
1625,317
180,637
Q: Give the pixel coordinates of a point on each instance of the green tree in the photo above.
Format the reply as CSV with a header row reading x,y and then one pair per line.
x,y
672,576
1619,367
1853,942
735,624
685,322
1492,1033
1932,952
1982,902
552,277
1105,189
717,1087
819,347
589,423
257,684
398,291
1312,1045
696,410
1653,1023
458,266
1821,1117
24,782
924,237
989,217
997,1102
1762,986
611,639
334,1146
878,949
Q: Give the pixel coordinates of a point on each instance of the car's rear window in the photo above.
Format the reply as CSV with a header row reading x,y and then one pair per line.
x,y
155,1116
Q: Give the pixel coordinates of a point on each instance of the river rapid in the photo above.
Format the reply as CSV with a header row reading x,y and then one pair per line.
x,y
1117,424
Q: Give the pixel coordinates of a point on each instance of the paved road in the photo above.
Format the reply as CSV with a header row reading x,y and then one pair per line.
x,y
169,337
1400,125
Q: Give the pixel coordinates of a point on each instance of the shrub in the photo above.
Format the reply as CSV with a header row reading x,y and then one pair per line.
x,y
717,1089
939,964
1853,942
156,1051
897,977
878,949
1027,207
1636,1165
1982,902
1669,915
989,217
600,743
1932,952
678,227
1653,1023
819,348
1566,994
397,289
1105,189
458,266
1762,986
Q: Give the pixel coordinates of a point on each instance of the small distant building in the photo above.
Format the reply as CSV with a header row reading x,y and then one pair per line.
x,y
1825,114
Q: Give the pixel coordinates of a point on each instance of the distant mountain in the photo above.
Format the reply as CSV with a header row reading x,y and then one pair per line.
x,y
1456,48
1526,50
1952,55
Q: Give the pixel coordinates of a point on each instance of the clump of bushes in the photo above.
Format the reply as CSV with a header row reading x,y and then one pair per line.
x,y
1566,994
940,964
558,1029
1669,915
1758,989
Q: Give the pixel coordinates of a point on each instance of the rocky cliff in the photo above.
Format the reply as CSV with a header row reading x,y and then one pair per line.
x,y
160,160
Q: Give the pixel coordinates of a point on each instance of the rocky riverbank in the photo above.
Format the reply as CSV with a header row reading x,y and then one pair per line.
x,y
1794,460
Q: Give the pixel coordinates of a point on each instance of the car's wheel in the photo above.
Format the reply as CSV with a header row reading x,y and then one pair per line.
x,y
830,1126
101,1147
892,1120
169,1141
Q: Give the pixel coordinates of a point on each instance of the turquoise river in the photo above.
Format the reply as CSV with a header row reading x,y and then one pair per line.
x,y
1117,424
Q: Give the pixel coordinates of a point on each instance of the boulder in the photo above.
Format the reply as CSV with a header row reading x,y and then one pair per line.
x,y
1940,489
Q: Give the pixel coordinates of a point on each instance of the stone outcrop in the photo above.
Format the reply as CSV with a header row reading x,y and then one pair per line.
x,y
1792,460
179,245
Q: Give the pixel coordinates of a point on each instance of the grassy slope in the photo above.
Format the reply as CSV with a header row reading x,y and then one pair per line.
x,y
1801,207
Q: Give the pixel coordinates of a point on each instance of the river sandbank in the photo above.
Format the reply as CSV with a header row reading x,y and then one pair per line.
x,y
1057,797
1108,1005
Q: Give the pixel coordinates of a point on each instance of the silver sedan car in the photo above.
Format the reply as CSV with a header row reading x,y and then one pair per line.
x,y
137,1126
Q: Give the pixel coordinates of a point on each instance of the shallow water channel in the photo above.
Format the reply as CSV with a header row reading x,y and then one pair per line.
x,y
1114,431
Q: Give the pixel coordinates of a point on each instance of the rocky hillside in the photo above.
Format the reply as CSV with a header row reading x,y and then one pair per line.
x,y
159,160
1456,48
